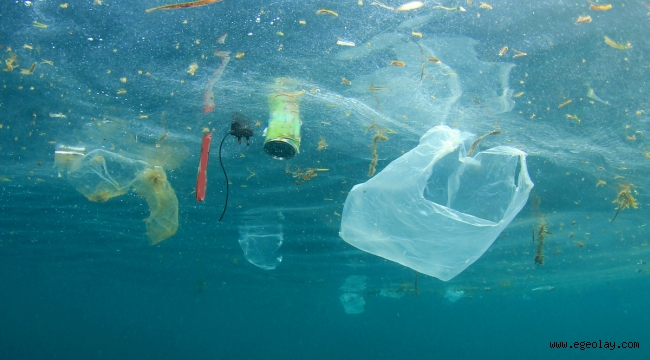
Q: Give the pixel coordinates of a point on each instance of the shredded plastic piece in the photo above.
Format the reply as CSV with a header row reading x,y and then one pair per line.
x,y
208,97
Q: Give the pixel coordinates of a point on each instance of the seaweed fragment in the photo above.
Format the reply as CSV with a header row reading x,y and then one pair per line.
x,y
539,233
625,200
417,290
471,149
375,157
303,175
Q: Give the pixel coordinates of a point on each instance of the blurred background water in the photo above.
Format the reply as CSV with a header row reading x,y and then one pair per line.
x,y
79,279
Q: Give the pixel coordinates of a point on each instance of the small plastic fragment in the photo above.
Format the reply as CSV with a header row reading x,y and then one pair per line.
x,y
341,42
411,5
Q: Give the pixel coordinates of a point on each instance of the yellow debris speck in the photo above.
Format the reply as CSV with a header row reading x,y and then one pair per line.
x,y
192,69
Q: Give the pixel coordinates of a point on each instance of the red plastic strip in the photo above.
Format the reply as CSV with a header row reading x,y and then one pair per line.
x,y
201,180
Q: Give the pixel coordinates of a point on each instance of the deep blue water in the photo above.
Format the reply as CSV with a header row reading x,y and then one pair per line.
x,y
79,279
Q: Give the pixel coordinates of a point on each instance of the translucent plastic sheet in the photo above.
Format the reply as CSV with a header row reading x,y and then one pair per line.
x,y
153,186
101,175
453,295
260,240
353,289
434,209
353,303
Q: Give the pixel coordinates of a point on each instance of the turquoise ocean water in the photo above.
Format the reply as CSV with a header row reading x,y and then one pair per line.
x,y
81,279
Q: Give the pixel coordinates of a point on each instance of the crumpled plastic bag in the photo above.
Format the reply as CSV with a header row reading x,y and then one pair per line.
x,y
352,297
101,175
434,209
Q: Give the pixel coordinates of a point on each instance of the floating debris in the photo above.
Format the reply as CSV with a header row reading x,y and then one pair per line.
x,y
591,94
208,97
518,53
542,231
412,5
345,43
322,144
304,175
454,295
11,63
601,7
222,39
28,71
625,200
544,288
192,69
375,157
328,12
183,5
615,45
573,117
377,3
473,147
444,8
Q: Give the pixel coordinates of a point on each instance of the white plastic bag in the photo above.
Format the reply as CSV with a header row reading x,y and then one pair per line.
x,y
435,212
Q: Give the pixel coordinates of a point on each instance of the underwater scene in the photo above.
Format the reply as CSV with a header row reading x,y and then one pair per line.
x,y
335,179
